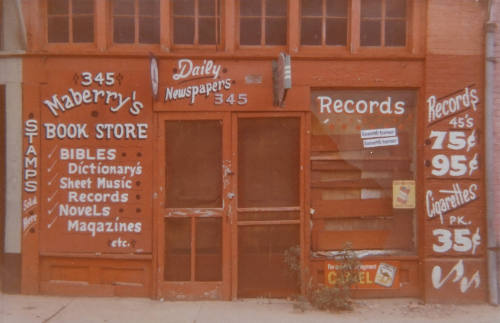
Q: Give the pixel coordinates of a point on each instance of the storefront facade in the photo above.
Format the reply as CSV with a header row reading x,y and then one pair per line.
x,y
171,149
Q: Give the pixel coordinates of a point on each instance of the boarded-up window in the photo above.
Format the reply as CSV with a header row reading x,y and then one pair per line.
x,y
324,22
136,21
362,141
383,23
263,22
196,22
70,21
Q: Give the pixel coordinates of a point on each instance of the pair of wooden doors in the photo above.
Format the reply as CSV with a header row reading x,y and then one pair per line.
x,y
230,203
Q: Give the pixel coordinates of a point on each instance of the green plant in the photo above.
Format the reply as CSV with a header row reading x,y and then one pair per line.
x,y
328,297
338,295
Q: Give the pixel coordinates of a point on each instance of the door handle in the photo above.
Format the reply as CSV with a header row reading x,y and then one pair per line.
x,y
231,195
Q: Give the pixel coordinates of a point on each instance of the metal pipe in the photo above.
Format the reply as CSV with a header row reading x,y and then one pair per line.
x,y
490,151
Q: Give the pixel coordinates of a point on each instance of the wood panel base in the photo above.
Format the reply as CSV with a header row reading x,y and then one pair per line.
x,y
95,277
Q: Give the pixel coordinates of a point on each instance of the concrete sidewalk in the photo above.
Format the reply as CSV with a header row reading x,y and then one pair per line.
x,y
20,308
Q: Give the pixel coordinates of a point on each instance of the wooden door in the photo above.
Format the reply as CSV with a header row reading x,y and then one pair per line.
x,y
230,204
268,202
193,224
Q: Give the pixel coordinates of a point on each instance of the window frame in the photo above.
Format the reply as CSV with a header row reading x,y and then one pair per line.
x,y
383,19
219,32
413,46
263,46
109,30
324,16
70,43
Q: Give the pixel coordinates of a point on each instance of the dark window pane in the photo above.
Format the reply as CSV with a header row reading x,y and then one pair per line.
x,y
395,33
123,7
312,7
370,33
268,155
250,31
250,8
275,31
276,8
336,8
208,249
194,164
184,7
57,7
371,8
184,30
310,31
177,250
396,8
83,6
206,7
149,30
206,33
149,8
336,32
58,30
123,29
83,29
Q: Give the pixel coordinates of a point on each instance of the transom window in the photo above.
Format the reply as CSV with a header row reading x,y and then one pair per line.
x,y
263,22
70,21
324,22
383,23
196,22
136,21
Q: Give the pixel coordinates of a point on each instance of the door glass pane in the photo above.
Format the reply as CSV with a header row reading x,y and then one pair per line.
x,y
193,164
268,162
177,249
208,249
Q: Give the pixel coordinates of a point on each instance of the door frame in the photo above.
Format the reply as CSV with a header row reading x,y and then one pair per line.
x,y
189,289
227,289
303,192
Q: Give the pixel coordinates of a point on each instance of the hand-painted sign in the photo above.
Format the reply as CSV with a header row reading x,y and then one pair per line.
x,y
96,172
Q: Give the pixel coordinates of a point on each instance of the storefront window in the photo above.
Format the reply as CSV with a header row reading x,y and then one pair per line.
x,y
70,21
196,22
324,22
383,23
136,21
363,148
263,22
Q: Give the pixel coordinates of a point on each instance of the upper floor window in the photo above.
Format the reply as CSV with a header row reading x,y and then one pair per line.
x,y
136,21
383,23
196,22
263,22
324,22
70,21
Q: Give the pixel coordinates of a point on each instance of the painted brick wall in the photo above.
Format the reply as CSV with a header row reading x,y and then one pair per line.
x,y
455,71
